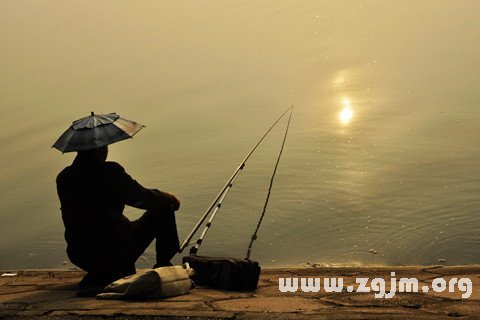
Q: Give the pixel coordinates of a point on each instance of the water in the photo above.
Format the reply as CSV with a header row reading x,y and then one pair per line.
x,y
381,165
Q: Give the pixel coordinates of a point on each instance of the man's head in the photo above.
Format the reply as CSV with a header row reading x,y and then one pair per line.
x,y
99,154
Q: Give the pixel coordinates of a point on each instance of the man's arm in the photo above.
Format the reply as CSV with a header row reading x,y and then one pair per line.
x,y
135,195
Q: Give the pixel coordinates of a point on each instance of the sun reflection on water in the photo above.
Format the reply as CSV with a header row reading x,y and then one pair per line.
x,y
346,114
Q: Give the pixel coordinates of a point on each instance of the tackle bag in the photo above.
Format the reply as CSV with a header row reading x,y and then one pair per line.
x,y
224,273
156,283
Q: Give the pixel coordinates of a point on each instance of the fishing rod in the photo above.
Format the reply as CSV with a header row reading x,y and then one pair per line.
x,y
216,204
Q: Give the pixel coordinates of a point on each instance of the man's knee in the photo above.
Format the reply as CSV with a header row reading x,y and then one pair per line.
x,y
157,216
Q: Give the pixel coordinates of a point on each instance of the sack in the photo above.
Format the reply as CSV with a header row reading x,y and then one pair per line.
x,y
224,273
151,283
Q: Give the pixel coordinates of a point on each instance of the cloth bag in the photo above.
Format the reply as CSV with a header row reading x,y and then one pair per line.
x,y
161,282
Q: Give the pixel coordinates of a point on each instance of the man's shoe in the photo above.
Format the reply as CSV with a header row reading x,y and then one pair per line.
x,y
94,283
92,280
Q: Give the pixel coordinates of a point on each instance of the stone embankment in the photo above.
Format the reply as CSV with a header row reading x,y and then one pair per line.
x,y
51,294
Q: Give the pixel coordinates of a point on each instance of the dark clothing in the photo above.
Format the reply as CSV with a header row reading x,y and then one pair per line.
x,y
100,239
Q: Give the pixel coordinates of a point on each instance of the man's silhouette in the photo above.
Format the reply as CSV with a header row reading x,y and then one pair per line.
x,y
93,193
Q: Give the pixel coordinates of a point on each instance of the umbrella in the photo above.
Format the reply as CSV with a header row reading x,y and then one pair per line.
x,y
95,131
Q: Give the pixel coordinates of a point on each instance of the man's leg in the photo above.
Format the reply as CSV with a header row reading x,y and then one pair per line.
x,y
159,225
102,269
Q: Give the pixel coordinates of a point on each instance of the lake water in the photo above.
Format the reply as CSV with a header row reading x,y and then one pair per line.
x,y
381,165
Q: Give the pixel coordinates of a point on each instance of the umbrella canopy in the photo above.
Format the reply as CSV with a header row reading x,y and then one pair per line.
x,y
95,131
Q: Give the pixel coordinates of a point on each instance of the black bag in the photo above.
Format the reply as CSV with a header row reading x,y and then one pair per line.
x,y
224,273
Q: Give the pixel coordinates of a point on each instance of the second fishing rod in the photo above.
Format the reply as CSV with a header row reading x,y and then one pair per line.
x,y
217,202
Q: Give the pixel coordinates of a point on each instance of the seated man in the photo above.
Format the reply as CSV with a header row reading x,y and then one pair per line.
x,y
100,239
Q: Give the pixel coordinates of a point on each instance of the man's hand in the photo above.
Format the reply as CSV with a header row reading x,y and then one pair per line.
x,y
175,202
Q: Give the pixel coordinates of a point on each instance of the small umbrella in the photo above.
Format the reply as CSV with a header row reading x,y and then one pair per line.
x,y
95,131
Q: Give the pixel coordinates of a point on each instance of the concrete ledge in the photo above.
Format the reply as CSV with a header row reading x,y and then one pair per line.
x,y
51,294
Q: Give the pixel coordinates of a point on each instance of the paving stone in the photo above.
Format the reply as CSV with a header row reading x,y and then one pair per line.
x,y
282,316
32,297
148,312
454,270
270,304
7,289
204,293
456,309
403,300
93,304
51,294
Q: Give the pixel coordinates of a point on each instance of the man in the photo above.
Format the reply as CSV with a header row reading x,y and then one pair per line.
x,y
93,193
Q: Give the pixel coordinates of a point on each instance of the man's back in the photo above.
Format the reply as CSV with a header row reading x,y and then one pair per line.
x,y
93,195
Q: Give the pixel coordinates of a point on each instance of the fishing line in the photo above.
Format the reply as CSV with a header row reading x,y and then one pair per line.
x,y
254,236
